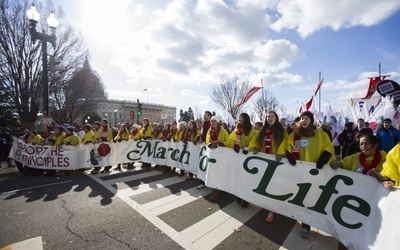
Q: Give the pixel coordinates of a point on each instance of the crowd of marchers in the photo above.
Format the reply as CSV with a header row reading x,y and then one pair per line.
x,y
359,148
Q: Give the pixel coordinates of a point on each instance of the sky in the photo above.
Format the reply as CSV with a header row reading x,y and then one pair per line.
x,y
179,50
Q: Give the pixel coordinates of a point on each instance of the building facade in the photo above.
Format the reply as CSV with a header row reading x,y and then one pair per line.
x,y
123,111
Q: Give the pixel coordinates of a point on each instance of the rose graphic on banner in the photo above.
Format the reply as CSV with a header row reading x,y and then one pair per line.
x,y
96,155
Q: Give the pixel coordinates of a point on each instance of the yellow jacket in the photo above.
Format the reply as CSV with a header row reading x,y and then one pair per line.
x,y
254,144
145,133
99,134
57,140
311,148
391,167
124,136
72,140
37,139
89,137
223,136
244,139
352,162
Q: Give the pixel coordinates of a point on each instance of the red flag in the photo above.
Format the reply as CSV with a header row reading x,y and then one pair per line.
x,y
318,87
309,103
373,82
249,94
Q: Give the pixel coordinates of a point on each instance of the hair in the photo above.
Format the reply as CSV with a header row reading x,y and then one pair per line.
x,y
371,138
300,131
277,127
194,130
246,124
87,126
208,113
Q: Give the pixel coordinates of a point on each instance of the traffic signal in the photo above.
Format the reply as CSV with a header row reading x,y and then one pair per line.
x,y
139,113
132,116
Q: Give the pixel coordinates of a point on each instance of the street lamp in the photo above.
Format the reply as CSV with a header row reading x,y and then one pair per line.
x,y
34,17
115,116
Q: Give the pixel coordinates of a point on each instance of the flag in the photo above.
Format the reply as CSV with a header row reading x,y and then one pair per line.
x,y
309,103
318,86
373,82
249,94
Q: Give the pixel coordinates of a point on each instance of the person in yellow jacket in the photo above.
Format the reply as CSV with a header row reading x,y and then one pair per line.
x,y
89,134
135,132
369,161
58,136
122,135
192,135
146,131
181,136
307,143
145,134
268,139
70,137
103,134
35,138
240,139
216,136
391,168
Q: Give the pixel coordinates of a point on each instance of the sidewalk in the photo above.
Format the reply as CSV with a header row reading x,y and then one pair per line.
x,y
6,171
31,244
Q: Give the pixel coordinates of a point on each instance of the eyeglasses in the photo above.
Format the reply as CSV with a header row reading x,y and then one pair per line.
x,y
365,144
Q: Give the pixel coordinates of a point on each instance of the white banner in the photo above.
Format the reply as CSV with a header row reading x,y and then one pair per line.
x,y
353,208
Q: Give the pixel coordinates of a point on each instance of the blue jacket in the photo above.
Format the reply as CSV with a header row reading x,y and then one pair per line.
x,y
388,138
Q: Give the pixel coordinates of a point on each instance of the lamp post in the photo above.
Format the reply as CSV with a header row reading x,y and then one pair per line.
x,y
34,17
115,116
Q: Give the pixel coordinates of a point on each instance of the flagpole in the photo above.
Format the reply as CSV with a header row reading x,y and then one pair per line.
x,y
320,90
262,86
379,66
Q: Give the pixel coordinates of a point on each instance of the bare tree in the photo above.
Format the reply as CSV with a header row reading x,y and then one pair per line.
x,y
227,95
266,103
20,58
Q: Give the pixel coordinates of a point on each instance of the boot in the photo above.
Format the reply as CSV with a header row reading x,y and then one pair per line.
x,y
130,165
118,167
214,195
182,173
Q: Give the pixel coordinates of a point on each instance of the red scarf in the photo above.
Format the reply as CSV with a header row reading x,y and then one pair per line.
x,y
103,134
267,141
189,135
296,148
214,135
367,166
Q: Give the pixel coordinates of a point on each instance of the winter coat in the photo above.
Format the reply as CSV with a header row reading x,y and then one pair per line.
x,y
391,167
388,138
352,162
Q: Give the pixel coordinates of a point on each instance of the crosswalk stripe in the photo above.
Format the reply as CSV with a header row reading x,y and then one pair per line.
x,y
209,232
145,187
176,200
130,178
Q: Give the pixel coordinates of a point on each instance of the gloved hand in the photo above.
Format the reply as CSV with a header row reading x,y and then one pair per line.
x,y
323,159
371,172
195,142
256,151
236,148
212,145
278,157
245,150
336,164
290,158
221,144
147,138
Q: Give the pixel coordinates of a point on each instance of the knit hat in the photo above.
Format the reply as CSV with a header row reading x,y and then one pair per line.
x,y
60,128
70,129
174,122
216,118
183,123
309,115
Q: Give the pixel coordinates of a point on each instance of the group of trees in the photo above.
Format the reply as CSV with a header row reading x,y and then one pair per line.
x,y
72,89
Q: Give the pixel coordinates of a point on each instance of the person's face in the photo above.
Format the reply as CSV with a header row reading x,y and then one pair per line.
x,y
360,123
207,117
190,125
240,120
27,131
271,118
103,123
398,126
257,126
366,147
145,122
283,122
305,121
386,125
214,123
122,128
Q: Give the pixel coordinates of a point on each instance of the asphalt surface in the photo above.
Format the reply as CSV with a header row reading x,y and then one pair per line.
x,y
138,209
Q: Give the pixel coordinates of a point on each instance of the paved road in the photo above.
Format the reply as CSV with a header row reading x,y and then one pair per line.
x,y
142,209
